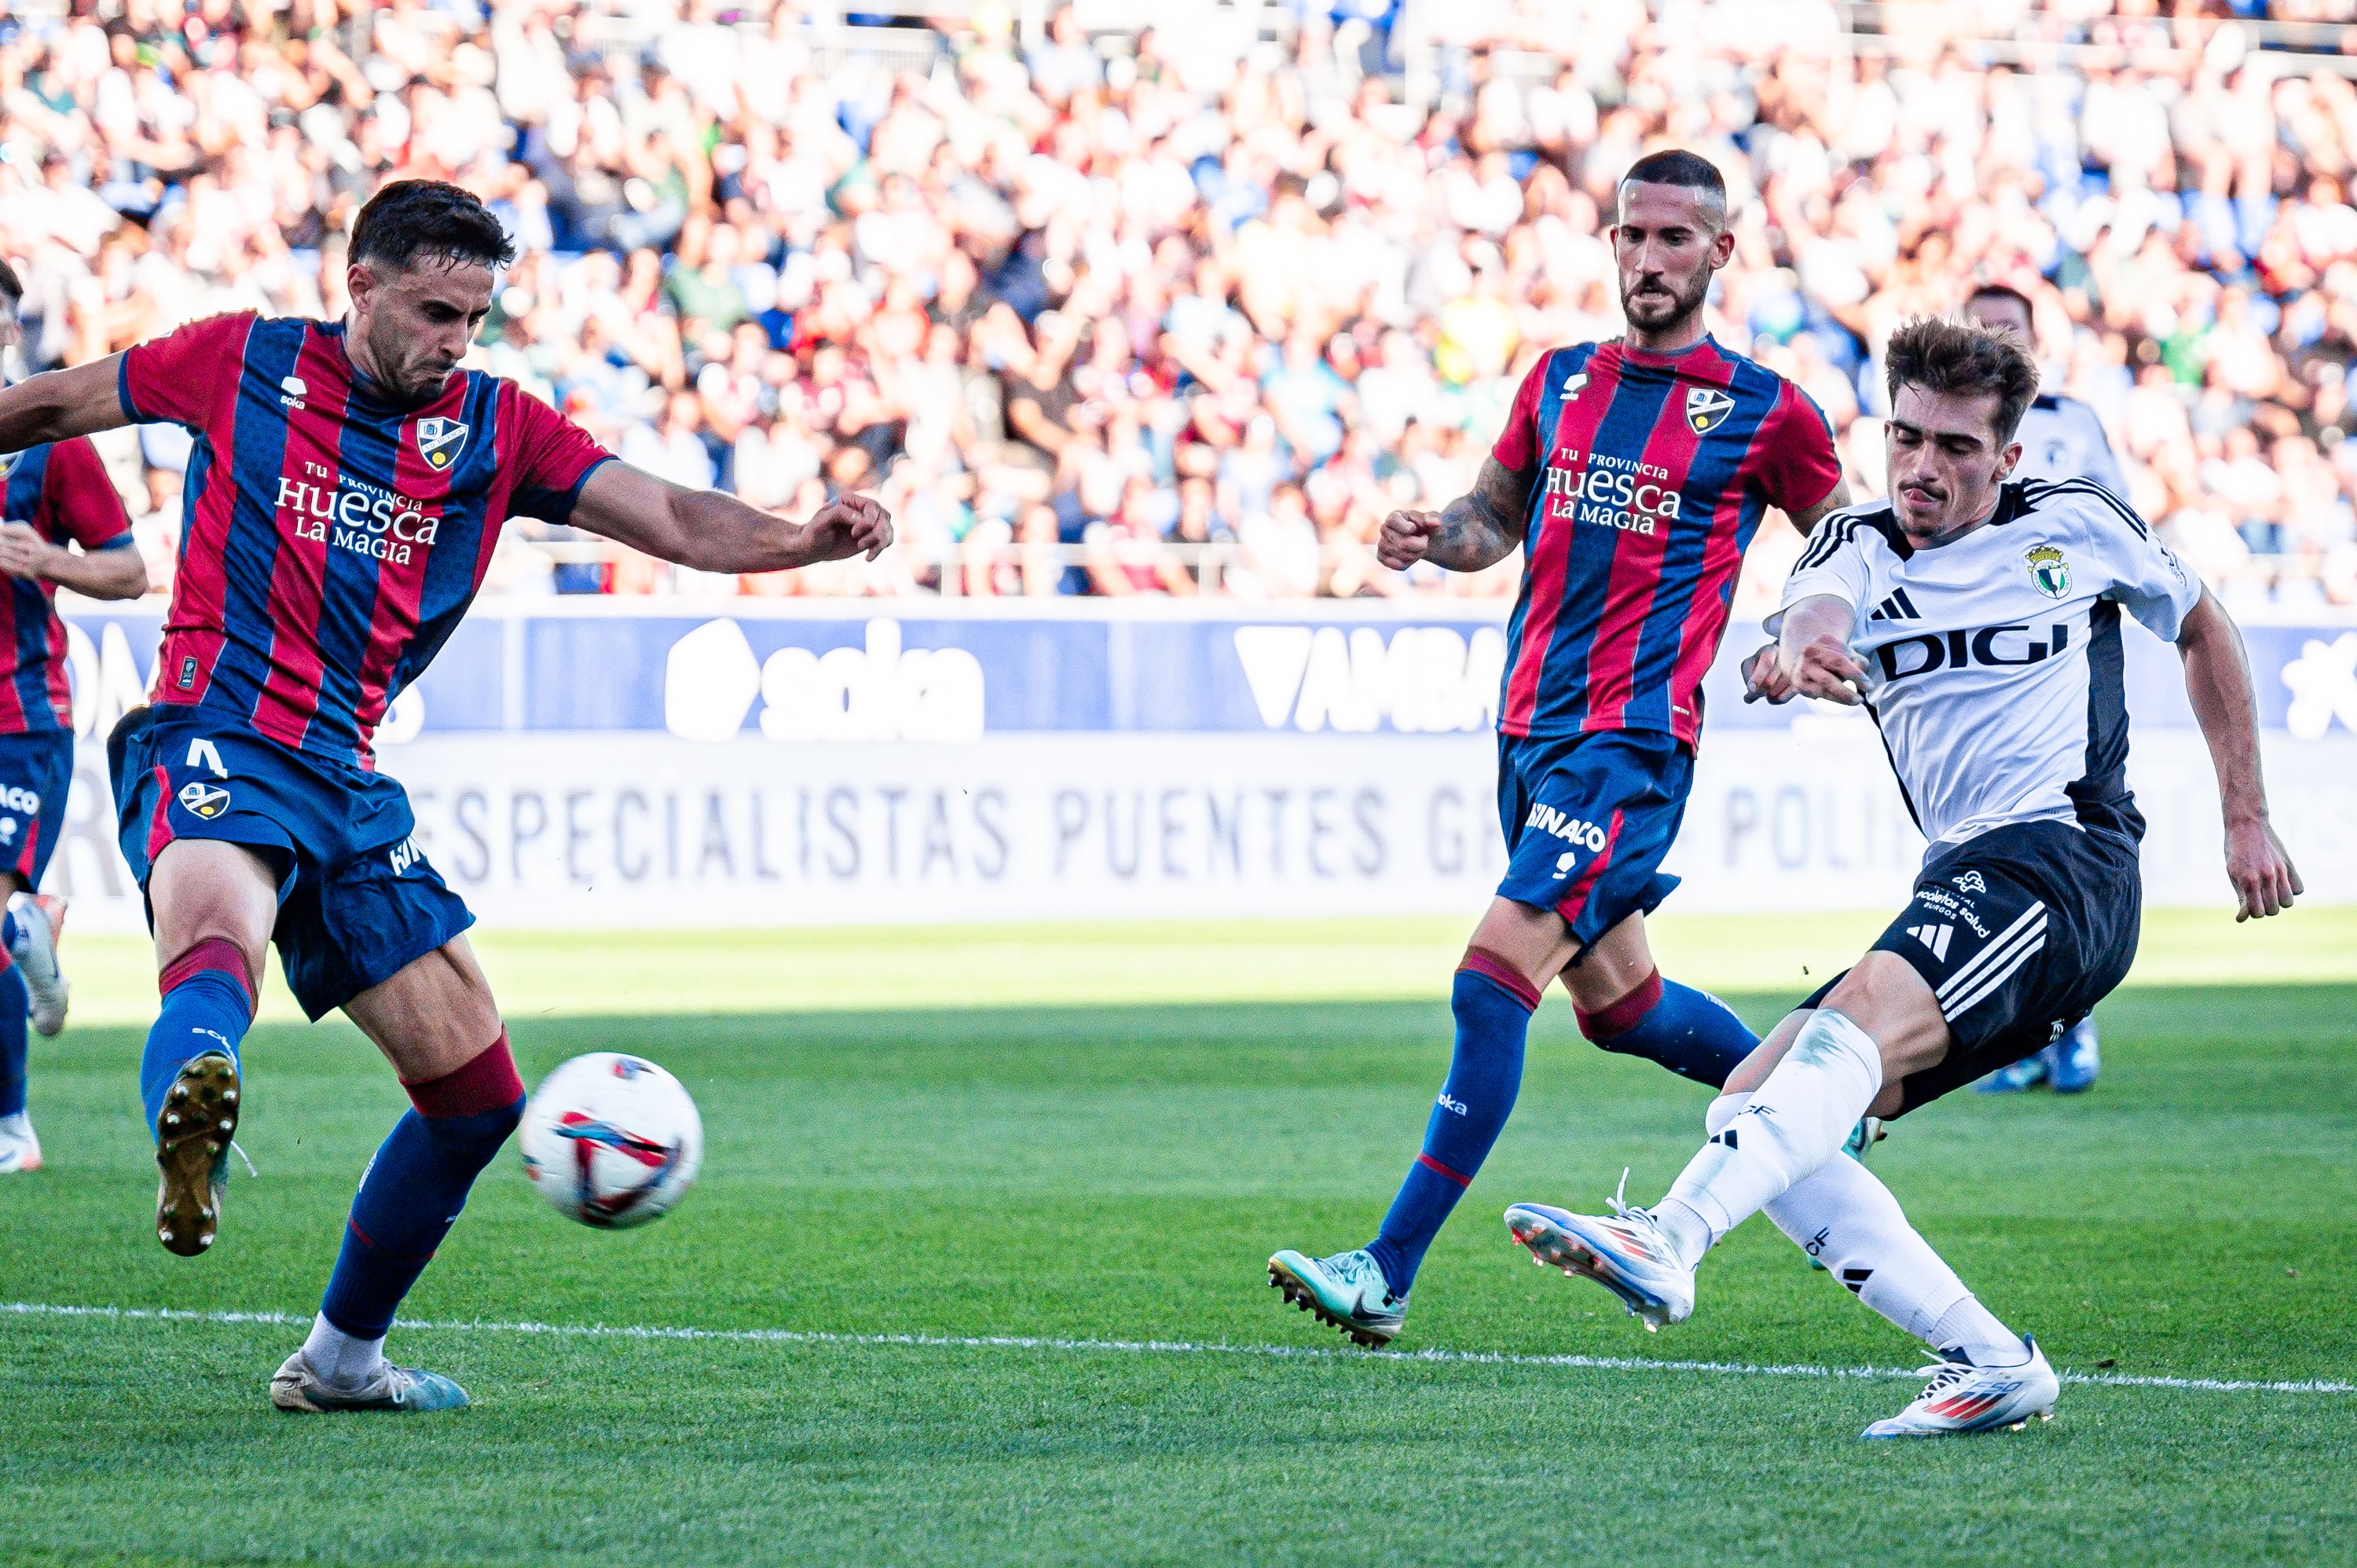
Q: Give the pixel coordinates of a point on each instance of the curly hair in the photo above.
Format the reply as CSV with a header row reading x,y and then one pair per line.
x,y
1945,354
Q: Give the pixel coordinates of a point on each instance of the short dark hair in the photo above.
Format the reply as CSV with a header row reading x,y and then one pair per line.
x,y
411,218
1677,166
1946,354
11,285
2002,291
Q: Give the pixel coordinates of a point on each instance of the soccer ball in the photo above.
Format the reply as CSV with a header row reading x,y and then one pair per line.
x,y
611,1139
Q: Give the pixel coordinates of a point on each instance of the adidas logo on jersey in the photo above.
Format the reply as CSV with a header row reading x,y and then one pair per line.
x,y
1936,938
1898,606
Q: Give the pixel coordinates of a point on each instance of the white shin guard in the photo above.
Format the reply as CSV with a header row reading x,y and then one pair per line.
x,y
1793,1124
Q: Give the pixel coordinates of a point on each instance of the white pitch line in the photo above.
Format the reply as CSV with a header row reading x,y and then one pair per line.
x,y
1146,1347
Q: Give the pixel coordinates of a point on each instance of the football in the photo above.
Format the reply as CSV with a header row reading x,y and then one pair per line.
x,y
611,1139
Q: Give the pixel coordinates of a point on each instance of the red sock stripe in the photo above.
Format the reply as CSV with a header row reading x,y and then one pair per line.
x,y
488,1083
354,1226
1505,975
1611,1023
1429,1163
213,953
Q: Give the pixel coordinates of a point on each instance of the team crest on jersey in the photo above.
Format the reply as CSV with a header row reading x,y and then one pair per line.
x,y
200,799
2049,571
440,442
1707,408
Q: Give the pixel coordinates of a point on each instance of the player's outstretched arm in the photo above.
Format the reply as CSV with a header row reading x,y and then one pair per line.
x,y
2218,683
1811,656
57,404
1475,529
118,574
712,531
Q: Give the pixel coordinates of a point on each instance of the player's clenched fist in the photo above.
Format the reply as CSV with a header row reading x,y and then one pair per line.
x,y
849,525
1405,536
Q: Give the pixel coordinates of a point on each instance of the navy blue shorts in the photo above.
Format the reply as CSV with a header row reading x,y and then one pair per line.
x,y
35,774
1587,821
357,901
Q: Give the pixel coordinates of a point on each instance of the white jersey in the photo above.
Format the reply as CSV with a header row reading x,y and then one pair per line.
x,y
2062,438
1993,662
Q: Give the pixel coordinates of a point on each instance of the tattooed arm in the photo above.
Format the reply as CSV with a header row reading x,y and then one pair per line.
x,y
1472,531
1808,518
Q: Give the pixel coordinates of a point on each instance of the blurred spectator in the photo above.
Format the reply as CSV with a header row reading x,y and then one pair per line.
x,y
1182,310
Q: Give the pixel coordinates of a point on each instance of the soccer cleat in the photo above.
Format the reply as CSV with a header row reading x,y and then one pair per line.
x,y
20,1150
2072,1061
192,1141
1626,1254
41,921
297,1388
1347,1290
1963,1398
2026,1074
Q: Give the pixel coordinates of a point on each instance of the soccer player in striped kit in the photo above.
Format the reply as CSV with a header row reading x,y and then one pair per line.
x,y
1632,473
344,495
58,496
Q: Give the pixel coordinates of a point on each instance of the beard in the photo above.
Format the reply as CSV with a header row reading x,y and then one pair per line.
x,y
1657,312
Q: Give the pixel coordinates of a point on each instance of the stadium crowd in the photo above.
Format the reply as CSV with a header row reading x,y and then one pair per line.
x,y
1119,314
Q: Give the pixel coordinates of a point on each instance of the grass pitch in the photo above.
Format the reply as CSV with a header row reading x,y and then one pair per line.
x,y
892,1183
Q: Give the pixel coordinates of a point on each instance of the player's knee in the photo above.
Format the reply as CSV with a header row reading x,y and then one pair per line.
x,y
474,1108
1612,1026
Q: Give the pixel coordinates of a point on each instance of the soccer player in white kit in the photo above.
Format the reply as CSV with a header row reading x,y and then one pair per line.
x,y
2061,439
1979,622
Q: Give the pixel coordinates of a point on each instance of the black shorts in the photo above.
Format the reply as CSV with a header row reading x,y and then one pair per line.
x,y
2020,932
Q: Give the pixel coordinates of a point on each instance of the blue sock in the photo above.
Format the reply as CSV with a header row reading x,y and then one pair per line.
x,y
16,1011
1494,1006
208,1006
413,1190
1690,1032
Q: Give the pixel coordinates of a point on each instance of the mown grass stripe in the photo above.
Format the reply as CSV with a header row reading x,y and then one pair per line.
x,y
1155,1348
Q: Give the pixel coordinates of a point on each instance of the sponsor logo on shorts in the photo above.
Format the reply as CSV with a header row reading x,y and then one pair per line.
x,y
1576,830
404,856
1943,905
200,799
22,801
8,830
1970,882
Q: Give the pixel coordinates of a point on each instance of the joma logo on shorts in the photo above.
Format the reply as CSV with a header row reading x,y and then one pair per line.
x,y
24,802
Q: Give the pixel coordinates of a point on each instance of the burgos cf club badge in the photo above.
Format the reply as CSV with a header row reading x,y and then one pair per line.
x,y
2049,571
1707,408
440,442
200,799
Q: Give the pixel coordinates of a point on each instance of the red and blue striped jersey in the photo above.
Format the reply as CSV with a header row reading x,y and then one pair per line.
x,y
331,536
1652,473
61,490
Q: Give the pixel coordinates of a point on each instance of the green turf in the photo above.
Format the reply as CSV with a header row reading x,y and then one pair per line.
x,y
1101,1172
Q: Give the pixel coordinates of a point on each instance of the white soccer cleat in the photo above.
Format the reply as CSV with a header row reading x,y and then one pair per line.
x,y
20,1151
1627,1254
41,921
1963,1398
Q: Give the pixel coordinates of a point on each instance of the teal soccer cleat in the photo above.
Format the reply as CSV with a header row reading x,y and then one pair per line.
x,y
1347,1290
297,1388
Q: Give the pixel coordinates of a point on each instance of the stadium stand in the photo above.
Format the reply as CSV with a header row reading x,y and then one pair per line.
x,y
1096,308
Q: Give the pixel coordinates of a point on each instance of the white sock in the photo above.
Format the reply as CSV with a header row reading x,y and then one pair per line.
x,y
19,1125
1795,1122
339,1360
1847,1219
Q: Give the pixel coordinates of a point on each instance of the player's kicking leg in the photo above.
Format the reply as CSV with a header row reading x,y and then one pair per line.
x,y
432,1020
1571,905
